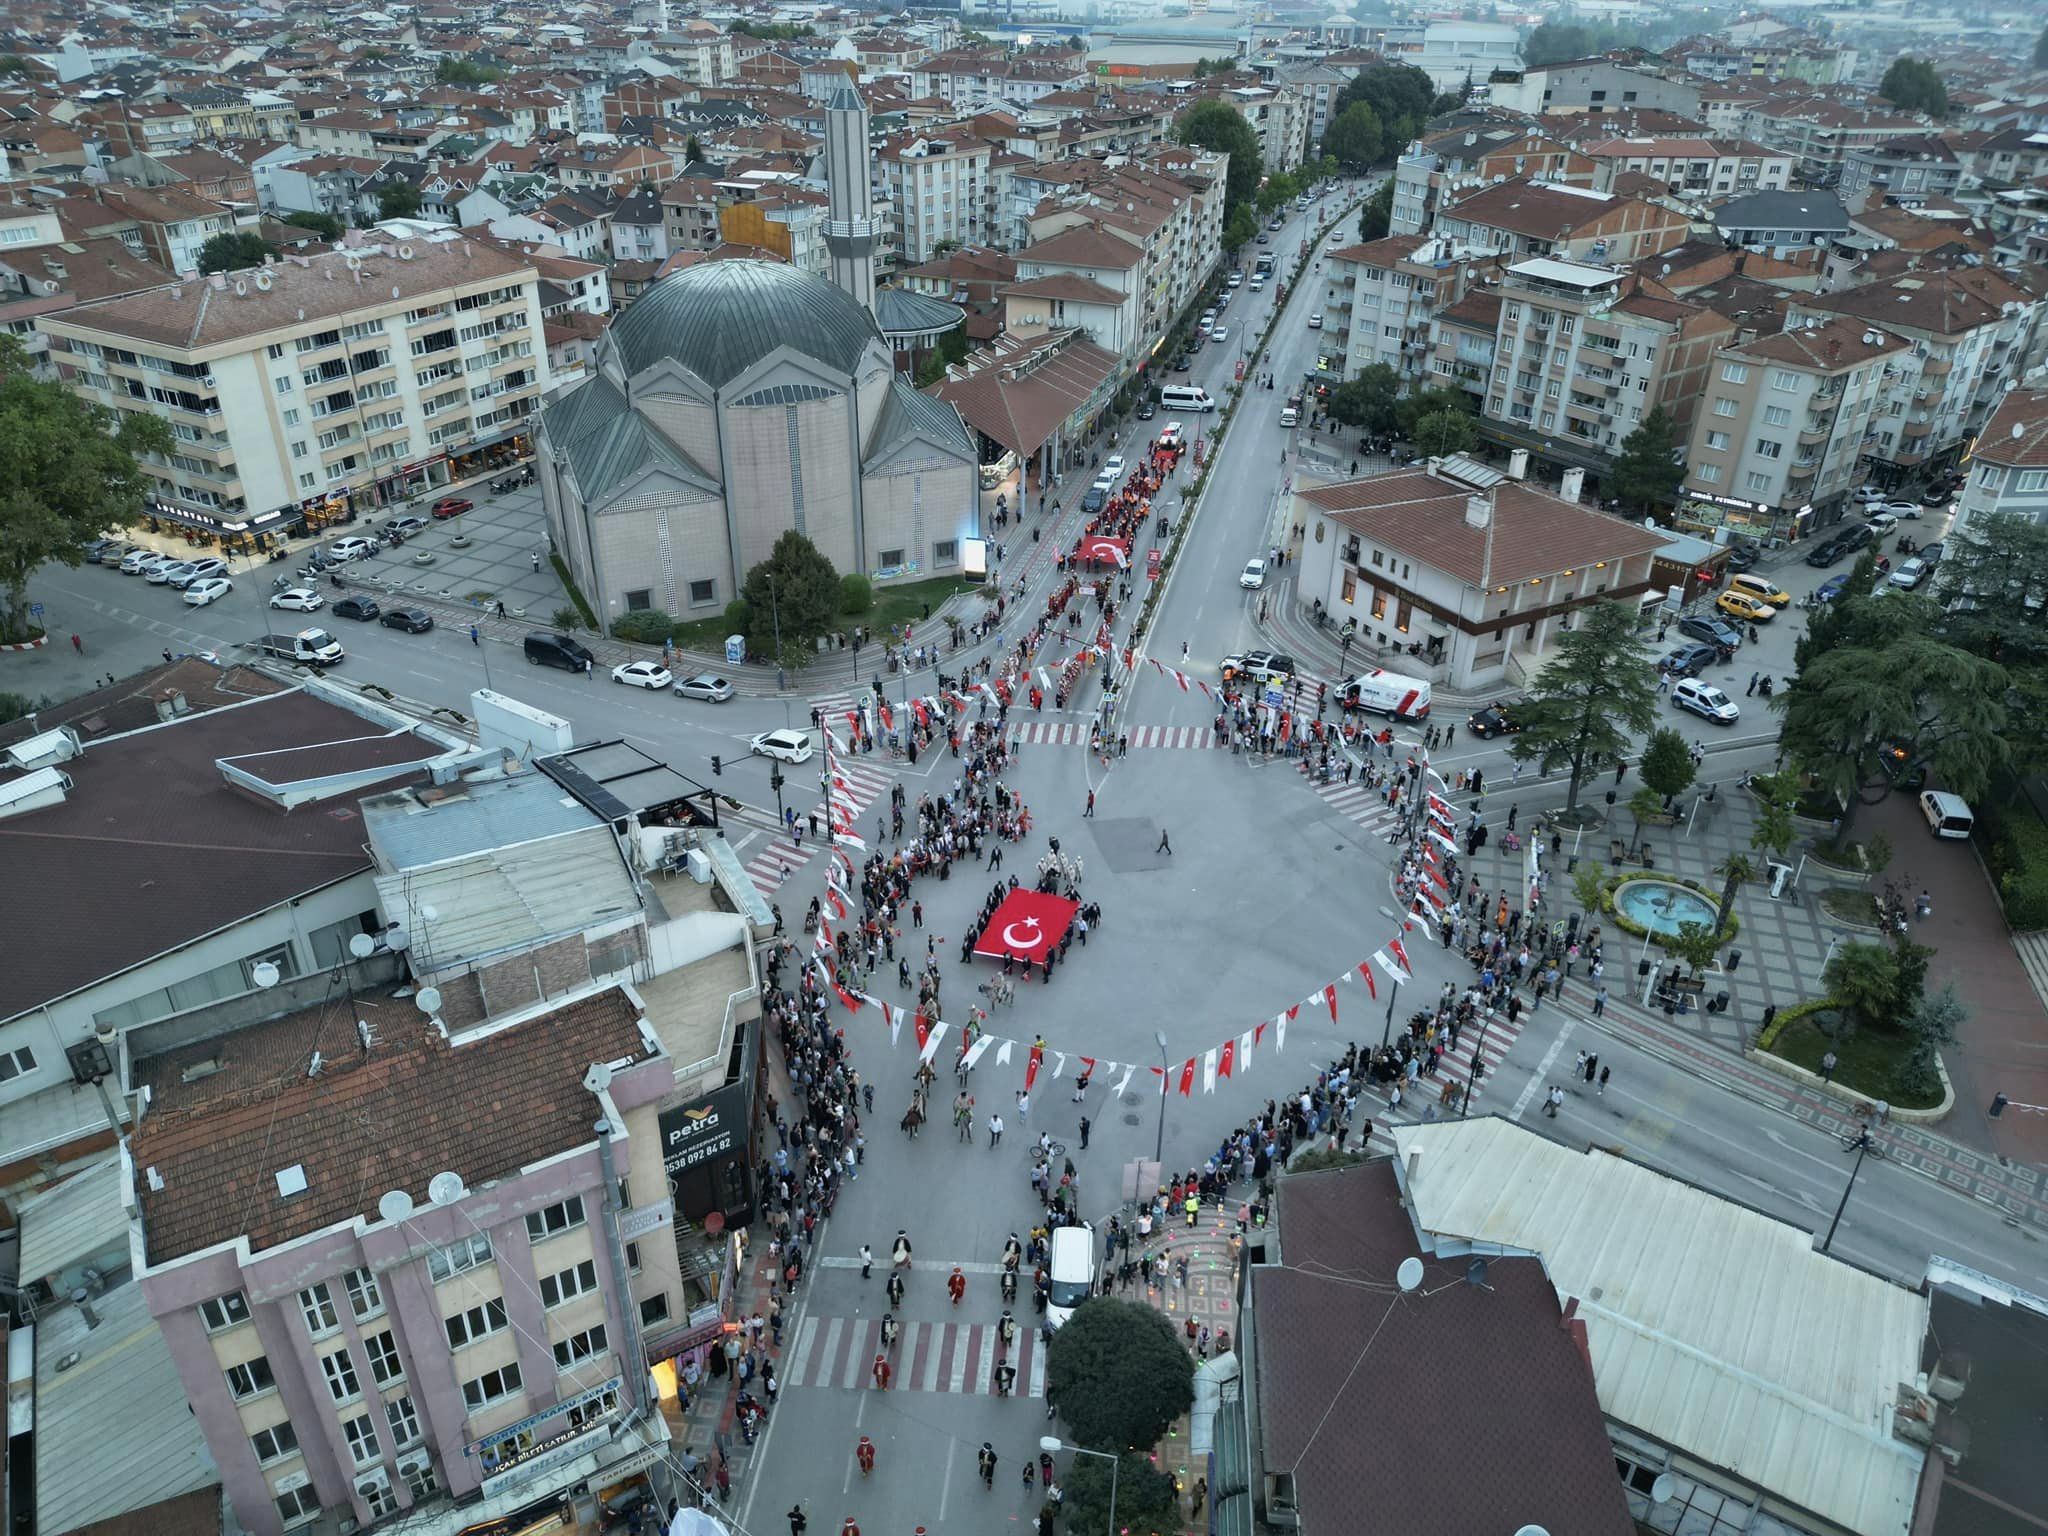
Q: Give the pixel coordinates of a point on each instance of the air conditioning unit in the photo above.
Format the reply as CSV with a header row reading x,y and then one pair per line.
x,y
415,1461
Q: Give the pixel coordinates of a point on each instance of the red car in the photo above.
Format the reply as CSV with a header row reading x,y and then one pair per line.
x,y
451,506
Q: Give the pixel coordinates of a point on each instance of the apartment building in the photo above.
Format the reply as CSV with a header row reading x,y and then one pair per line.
x,y
1462,339
940,187
412,1304
1597,85
1906,171
1700,167
2009,465
1968,330
1086,277
1821,133
367,374
1778,445
1533,218
1583,353
170,224
1448,165
1279,115
1379,299
1454,52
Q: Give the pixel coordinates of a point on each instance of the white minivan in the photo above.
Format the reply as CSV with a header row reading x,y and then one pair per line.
x,y
1388,693
1947,815
1071,1272
1186,397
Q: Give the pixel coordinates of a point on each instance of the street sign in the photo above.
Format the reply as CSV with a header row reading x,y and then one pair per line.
x,y
35,610
1276,698
1152,562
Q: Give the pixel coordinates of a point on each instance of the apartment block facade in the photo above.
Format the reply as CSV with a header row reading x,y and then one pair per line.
x,y
941,189
360,373
1379,299
2009,466
1778,442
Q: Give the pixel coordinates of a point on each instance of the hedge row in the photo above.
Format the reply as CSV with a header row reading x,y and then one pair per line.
x,y
2015,845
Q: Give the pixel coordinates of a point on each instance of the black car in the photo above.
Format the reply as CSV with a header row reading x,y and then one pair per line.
x,y
1691,659
356,606
1093,501
1826,552
1147,410
1699,626
1494,720
564,651
1938,497
98,550
1853,539
414,621
1742,557
1930,554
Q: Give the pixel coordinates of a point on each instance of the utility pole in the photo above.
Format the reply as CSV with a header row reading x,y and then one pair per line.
x,y
1862,1146
1159,1141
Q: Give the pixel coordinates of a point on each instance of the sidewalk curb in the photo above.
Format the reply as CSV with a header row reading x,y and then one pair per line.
x,y
1813,1082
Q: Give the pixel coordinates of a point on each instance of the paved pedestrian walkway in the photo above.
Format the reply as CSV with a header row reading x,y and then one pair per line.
x,y
1209,1298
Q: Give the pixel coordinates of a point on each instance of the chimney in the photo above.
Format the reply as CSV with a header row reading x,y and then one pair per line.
x,y
1478,511
1518,464
1573,482
1435,463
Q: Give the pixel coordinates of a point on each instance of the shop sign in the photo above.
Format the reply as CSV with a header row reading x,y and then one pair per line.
x,y
644,1219
713,1127
534,1421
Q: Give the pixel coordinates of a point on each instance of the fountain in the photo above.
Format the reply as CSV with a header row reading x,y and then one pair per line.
x,y
1663,907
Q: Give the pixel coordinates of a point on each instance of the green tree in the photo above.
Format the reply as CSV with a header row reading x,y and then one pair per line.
x,y
15,64
1991,585
235,248
693,152
1589,887
1914,85
326,225
1400,96
454,71
1932,1023
951,348
1733,870
1377,217
856,594
1442,433
1864,979
1354,137
1644,804
1592,699
1118,1374
1695,944
1219,127
1145,1499
1667,765
398,199
71,475
1367,402
1278,192
1648,471
794,592
1240,229
1557,41
1410,409
1776,795
790,31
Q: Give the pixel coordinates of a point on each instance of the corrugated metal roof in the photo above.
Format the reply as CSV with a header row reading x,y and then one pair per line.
x,y
1712,1327
408,833
114,1432
80,1217
511,897
610,455
908,412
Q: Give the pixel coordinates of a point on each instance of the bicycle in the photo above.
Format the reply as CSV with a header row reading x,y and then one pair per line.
x,y
1045,1153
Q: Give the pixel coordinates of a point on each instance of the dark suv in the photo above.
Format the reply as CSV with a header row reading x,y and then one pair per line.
x,y
559,651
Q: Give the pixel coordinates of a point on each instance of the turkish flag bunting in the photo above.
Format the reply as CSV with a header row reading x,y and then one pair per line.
x,y
1330,997
1031,1066
838,902
1155,665
1400,953
923,1026
1229,1056
1204,687
1259,1032
1182,678
1187,1078
851,999
1393,968
924,718
1365,970
853,722
888,720
1087,1066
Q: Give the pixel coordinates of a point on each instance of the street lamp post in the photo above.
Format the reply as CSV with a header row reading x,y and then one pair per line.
x,y
1472,1081
775,613
1387,1034
1862,1146
1159,1141
1053,1444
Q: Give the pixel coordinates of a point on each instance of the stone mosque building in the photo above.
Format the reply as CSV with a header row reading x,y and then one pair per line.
x,y
737,399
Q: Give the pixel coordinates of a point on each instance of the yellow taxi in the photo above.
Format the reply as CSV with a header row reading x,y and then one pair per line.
x,y
1749,584
1747,609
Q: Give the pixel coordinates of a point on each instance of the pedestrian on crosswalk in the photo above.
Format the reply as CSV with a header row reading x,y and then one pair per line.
x,y
867,1261
1592,1066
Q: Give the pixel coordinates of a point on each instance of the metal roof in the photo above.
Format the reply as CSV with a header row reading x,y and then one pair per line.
x,y
1713,1328
410,830
79,1218
902,313
719,318
511,898
908,412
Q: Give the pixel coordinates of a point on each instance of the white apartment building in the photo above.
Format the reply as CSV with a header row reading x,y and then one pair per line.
x,y
1279,115
1379,299
2009,466
1778,445
940,188
367,373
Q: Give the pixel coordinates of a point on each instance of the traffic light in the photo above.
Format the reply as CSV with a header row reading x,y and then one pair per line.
x,y
775,780
1998,1103
714,764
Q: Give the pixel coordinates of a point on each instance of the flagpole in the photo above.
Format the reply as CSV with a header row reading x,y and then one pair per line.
x,y
1159,1141
1388,1033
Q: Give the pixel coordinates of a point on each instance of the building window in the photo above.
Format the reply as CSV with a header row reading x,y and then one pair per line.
x,y
1378,557
891,558
298,1506
473,1323
555,1219
1717,440
275,1443
1769,448
640,600
945,552
1777,416
1707,474
385,1366
340,1372
419,1477
1350,586
250,1379
568,1284
318,1306
1379,603
579,1347
1757,480
1733,373
361,1435
654,1309
403,1419
224,1312
466,1253
493,1386
2025,480
1723,406
702,592
1784,378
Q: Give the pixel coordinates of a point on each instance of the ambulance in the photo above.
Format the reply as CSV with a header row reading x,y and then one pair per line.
x,y
1388,693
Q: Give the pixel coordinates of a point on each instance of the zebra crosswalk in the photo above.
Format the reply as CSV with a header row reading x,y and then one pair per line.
x,y
1360,802
1067,733
782,857
960,1358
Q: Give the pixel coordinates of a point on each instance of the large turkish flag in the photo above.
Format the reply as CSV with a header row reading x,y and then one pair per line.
x,y
1026,925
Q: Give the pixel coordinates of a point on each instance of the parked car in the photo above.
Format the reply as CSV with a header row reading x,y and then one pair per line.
x,y
1853,539
405,525
1235,279
1911,573
1826,553
789,746
1219,333
101,549
1831,589
1868,496
200,570
1147,410
414,621
704,685
160,575
1905,509
642,674
1700,626
1071,1271
200,593
1761,588
1937,496
1743,556
1705,700
356,606
452,506
354,547
1114,466
1093,499
1253,576
1930,555
1691,659
1315,321
1494,720
299,599
564,651
1883,520
1739,605
142,561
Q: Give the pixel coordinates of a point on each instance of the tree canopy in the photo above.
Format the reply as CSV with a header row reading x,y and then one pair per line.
x,y
454,71
234,248
1145,1499
1554,42
326,225
1915,85
1220,127
1593,698
1993,584
1400,95
1240,229
397,199
1354,137
71,475
794,592
1667,763
1648,471
1443,433
1367,402
1280,189
1118,1375
1377,217
1411,410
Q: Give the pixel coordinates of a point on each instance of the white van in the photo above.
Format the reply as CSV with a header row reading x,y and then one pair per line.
x,y
1070,1273
1388,693
1289,416
1186,397
1947,815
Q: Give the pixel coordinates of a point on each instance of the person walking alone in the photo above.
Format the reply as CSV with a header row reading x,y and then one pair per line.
x,y
1165,843
995,1130
1091,804
1603,1080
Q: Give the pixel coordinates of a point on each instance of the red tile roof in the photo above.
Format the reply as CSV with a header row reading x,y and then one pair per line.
x,y
2017,433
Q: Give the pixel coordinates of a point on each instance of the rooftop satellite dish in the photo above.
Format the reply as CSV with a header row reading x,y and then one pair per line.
x,y
362,946
428,1001
1475,1273
1532,1530
2018,431
1663,1488
1409,1275
264,974
394,1205
599,1077
445,1188
428,911
397,938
